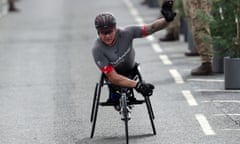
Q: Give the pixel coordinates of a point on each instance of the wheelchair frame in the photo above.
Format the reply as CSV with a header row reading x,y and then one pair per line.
x,y
123,104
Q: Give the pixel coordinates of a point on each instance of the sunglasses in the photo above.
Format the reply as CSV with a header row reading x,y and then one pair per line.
x,y
105,32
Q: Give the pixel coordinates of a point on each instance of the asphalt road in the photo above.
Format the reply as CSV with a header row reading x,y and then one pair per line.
x,y
47,79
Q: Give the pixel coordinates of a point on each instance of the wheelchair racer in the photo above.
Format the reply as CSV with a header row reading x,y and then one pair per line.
x,y
113,52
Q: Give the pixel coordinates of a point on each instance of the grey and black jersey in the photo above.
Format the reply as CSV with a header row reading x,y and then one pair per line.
x,y
121,56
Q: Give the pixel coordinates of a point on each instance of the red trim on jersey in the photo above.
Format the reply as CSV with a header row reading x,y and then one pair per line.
x,y
144,31
107,69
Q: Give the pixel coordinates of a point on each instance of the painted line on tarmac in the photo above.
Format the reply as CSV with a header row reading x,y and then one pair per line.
x,y
176,76
156,47
150,38
134,12
189,97
222,101
226,114
165,59
207,129
206,80
237,130
218,90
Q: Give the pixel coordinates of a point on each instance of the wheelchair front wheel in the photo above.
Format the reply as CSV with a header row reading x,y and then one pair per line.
x,y
94,102
125,114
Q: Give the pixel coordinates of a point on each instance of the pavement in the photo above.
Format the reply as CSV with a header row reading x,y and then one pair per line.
x,y
47,77
3,8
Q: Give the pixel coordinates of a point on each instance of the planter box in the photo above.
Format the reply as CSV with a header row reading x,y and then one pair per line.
x,y
217,64
232,73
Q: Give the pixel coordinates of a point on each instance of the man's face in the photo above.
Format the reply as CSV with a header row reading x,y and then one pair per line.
x,y
108,36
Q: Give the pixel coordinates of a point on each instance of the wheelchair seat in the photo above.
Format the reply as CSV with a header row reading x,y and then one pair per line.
x,y
131,101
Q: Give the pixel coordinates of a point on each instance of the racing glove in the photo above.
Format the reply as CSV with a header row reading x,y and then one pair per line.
x,y
167,10
146,89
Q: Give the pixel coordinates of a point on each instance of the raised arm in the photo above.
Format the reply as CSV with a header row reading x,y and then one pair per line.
x,y
156,26
168,16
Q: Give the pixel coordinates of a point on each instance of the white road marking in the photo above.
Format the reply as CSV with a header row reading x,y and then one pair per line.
x,y
233,114
218,90
222,101
207,129
231,130
134,12
207,80
189,97
156,47
139,20
150,38
165,59
177,77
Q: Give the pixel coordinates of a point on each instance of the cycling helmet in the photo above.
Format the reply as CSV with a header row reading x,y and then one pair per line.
x,y
104,21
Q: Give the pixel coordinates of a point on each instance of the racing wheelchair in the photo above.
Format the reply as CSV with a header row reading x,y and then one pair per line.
x,y
125,104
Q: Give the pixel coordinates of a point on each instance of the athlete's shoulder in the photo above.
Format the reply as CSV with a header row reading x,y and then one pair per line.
x,y
134,31
127,30
97,46
97,43
132,27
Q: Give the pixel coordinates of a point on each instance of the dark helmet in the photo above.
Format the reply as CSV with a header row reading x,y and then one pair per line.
x,y
104,21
